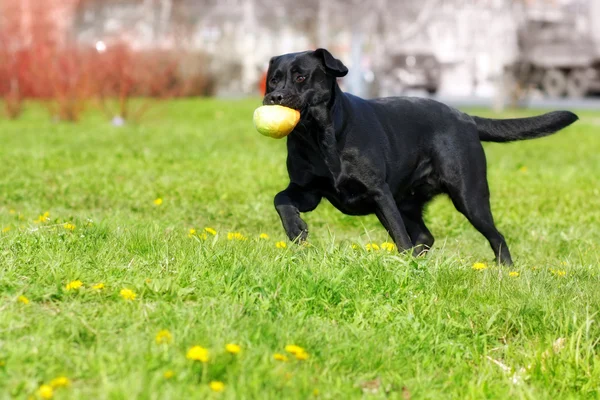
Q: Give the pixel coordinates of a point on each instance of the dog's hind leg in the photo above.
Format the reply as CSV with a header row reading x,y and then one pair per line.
x,y
465,179
388,214
421,237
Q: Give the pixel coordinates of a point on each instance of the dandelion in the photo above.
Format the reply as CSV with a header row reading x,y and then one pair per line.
x,y
315,392
6,229
560,272
98,286
69,226
217,386
23,299
264,236
169,374
61,381
43,218
191,233
197,353
372,247
12,212
280,357
479,266
158,201
211,231
523,169
163,337
388,246
235,236
45,392
233,348
281,245
127,294
513,274
293,349
74,285
302,355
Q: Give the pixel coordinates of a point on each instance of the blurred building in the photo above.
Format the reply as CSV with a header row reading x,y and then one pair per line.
x,y
472,40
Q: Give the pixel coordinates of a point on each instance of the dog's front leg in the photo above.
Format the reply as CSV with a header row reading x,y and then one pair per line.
x,y
289,203
390,217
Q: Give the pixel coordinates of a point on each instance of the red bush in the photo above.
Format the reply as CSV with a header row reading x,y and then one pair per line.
x,y
37,61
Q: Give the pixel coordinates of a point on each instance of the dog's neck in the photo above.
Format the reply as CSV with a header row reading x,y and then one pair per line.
x,y
320,130
328,124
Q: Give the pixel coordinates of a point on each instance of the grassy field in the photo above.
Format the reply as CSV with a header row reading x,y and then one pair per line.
x,y
372,324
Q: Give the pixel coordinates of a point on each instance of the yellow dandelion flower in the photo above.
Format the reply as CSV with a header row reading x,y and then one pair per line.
x,y
302,355
163,337
74,285
514,274
523,169
315,392
235,236
560,272
45,392
98,286
372,247
23,299
211,231
280,357
233,348
197,353
281,245
192,233
127,294
61,381
264,236
216,386
388,246
479,266
169,374
69,226
6,229
158,201
12,212
293,349
43,218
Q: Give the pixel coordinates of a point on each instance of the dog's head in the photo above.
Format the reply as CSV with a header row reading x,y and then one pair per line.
x,y
300,80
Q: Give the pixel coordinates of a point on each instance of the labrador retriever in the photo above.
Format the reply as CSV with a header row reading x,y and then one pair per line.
x,y
388,156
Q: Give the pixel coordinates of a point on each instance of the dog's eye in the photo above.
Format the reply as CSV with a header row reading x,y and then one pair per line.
x,y
274,81
300,78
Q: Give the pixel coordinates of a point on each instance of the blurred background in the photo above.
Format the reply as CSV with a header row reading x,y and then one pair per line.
x,y
481,52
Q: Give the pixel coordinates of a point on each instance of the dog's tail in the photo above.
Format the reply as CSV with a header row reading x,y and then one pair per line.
x,y
507,130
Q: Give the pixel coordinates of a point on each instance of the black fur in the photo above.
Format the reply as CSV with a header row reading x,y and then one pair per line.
x,y
387,156
508,130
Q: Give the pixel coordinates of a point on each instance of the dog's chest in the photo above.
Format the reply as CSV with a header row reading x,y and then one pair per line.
x,y
348,192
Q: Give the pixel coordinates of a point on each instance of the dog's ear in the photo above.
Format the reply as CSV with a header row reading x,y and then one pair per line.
x,y
332,65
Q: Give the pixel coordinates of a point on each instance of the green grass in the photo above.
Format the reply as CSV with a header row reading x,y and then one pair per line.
x,y
429,328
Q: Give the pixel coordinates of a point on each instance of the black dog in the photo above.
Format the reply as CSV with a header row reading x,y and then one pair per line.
x,y
386,156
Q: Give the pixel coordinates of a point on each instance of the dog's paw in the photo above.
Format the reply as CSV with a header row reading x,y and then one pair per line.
x,y
297,230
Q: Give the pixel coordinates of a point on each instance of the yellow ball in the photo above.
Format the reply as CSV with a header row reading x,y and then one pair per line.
x,y
275,121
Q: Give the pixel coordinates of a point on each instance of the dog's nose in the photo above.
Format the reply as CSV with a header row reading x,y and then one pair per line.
x,y
276,98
